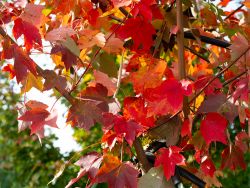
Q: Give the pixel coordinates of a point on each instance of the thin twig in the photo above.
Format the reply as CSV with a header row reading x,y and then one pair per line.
x,y
197,54
234,78
234,11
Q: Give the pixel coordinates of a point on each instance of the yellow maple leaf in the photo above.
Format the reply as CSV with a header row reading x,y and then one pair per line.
x,y
30,82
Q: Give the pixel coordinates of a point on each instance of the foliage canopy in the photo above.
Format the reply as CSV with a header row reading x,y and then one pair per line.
x,y
166,80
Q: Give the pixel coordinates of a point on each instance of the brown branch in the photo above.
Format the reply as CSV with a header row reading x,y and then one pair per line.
x,y
125,12
40,71
141,156
180,44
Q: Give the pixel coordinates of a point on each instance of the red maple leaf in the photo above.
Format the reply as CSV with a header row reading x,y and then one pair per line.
x,y
164,99
38,116
213,128
241,90
123,128
22,63
110,138
84,114
127,129
30,32
9,68
117,174
89,164
140,30
241,141
135,109
149,76
186,128
68,58
232,157
207,166
169,158
143,8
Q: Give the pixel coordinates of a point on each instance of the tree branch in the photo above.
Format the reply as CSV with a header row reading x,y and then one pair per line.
x,y
180,44
141,156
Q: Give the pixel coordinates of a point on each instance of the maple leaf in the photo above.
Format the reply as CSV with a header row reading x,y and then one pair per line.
x,y
212,103
232,157
127,129
239,45
169,158
92,16
164,99
30,32
143,8
99,93
89,164
148,76
140,30
123,128
207,166
135,109
208,16
68,57
169,129
213,128
187,128
59,34
35,104
89,38
52,80
9,68
117,174
30,82
241,140
241,90
211,89
84,114
22,63
110,138
104,79
113,45
187,87
38,116
33,13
